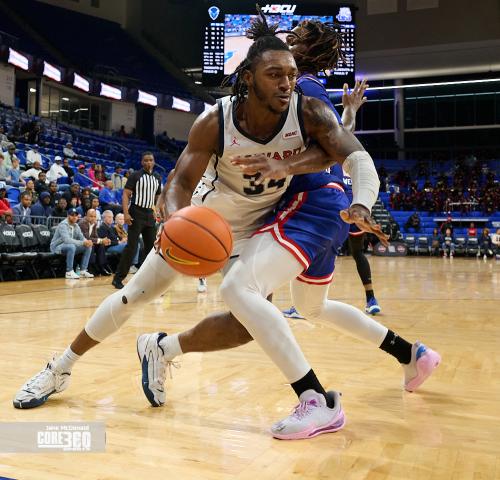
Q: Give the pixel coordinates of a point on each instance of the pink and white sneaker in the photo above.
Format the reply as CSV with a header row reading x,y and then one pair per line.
x,y
311,417
423,362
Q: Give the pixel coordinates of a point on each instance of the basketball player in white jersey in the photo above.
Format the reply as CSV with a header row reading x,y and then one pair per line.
x,y
265,119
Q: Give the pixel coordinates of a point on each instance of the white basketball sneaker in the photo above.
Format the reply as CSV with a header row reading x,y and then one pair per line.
x,y
311,417
39,388
202,285
154,366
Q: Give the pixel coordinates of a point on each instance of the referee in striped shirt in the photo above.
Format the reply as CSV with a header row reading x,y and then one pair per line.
x,y
139,198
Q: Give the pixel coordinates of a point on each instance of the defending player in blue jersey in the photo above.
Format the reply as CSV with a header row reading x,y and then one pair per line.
x,y
311,86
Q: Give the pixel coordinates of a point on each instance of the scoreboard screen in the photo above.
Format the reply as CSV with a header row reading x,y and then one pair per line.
x,y
225,43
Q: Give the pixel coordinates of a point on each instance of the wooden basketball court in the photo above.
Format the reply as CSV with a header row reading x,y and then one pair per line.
x,y
220,405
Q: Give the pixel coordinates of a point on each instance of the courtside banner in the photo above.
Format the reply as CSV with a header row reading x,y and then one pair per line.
x,y
44,437
395,249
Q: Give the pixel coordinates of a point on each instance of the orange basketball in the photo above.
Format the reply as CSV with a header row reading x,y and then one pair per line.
x,y
196,241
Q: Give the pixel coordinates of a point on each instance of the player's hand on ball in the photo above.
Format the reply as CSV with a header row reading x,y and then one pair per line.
x,y
267,167
360,215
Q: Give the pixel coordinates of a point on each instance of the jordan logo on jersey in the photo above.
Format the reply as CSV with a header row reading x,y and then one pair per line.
x,y
235,142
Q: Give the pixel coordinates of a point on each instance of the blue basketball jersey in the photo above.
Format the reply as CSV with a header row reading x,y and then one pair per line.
x,y
310,86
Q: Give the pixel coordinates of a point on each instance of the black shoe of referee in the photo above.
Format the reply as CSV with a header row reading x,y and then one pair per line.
x,y
117,283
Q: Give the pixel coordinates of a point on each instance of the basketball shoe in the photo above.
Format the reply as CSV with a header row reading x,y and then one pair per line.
x,y
372,306
202,285
423,362
154,366
311,417
39,388
292,313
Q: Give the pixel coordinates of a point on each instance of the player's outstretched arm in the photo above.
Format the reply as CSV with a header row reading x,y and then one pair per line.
x,y
352,102
193,161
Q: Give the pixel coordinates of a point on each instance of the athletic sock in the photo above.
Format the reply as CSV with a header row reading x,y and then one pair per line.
x,y
369,295
310,382
66,361
170,345
396,346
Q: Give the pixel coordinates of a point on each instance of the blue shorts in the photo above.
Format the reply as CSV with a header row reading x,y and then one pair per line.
x,y
309,226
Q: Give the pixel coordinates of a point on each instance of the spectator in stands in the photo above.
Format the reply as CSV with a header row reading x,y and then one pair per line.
x,y
4,140
84,207
14,174
107,198
42,184
100,177
22,211
54,195
118,180
448,243
472,231
97,207
69,152
74,191
122,133
107,230
413,222
56,170
34,135
69,240
485,244
4,202
9,155
33,171
61,208
435,242
447,225
30,188
16,133
495,240
42,208
4,171
70,173
88,226
122,231
87,194
81,178
32,155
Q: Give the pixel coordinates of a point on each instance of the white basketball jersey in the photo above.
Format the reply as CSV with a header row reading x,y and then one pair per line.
x,y
236,196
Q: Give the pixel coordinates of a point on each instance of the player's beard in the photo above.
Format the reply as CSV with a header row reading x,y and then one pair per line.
x,y
259,93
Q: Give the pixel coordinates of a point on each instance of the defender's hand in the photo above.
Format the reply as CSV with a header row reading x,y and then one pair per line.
x,y
360,215
266,166
355,99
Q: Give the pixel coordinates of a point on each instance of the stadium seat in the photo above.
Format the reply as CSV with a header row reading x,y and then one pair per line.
x,y
410,243
472,246
423,246
460,245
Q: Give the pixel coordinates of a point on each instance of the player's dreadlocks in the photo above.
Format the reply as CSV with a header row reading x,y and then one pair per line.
x,y
264,37
323,46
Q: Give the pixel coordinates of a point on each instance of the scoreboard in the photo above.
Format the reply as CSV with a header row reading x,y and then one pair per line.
x,y
225,44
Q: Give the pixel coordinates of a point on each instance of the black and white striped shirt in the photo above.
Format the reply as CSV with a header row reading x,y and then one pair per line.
x,y
145,187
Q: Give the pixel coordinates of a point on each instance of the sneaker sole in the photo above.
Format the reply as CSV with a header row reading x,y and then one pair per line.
x,y
373,310
337,424
425,367
294,315
145,378
33,403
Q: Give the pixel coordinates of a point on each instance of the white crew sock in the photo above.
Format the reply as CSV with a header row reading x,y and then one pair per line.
x,y
171,346
66,361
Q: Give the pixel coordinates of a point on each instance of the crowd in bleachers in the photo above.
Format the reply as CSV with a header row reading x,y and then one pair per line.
x,y
470,186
